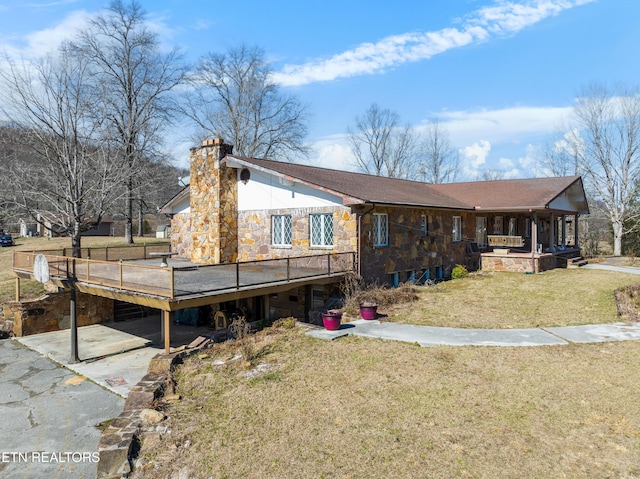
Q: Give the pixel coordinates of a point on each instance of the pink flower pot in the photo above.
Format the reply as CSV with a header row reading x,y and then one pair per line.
x,y
331,320
368,312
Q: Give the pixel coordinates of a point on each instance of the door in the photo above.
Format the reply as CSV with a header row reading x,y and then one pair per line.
x,y
481,231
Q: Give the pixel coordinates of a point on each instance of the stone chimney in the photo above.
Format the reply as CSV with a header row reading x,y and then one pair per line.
x,y
214,204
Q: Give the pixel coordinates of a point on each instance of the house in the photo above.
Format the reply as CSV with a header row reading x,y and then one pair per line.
x,y
243,209
268,239
95,228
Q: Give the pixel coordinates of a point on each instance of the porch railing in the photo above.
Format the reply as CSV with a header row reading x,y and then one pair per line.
x,y
172,282
504,240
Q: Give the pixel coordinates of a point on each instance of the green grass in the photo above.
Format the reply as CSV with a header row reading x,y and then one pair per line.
x,y
362,408
365,408
561,297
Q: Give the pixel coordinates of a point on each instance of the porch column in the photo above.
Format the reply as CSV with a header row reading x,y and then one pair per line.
x,y
564,231
552,234
576,243
534,241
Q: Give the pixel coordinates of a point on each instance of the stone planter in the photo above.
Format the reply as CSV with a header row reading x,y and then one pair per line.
x,y
368,312
332,319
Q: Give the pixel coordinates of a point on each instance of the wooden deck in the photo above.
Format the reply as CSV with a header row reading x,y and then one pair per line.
x,y
173,288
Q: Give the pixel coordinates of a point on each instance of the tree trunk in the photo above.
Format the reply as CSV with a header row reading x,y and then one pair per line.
x,y
128,227
617,238
140,229
76,241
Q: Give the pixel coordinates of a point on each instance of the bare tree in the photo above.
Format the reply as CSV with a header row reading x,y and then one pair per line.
x,y
49,103
490,175
438,159
560,154
608,141
380,146
136,80
234,97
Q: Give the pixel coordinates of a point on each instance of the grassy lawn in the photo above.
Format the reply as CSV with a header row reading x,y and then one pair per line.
x,y
31,289
561,297
363,408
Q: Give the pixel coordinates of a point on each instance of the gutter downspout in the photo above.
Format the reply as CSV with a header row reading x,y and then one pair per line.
x,y
359,268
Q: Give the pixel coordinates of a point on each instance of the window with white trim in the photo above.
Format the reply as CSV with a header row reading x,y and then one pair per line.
x,y
281,230
457,228
380,229
321,229
424,225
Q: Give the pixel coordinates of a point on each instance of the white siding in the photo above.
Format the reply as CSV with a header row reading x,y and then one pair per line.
x,y
264,191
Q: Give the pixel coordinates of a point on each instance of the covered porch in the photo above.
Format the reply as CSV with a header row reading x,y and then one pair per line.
x,y
529,242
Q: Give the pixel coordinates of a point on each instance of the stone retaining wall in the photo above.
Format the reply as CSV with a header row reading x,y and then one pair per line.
x,y
51,312
117,446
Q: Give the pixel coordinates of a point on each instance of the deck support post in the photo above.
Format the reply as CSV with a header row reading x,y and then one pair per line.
x,y
74,326
17,288
166,331
265,303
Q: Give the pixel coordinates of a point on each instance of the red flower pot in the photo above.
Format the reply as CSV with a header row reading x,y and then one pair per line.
x,y
331,320
368,312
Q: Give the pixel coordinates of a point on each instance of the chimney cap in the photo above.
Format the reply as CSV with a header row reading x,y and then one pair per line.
x,y
212,142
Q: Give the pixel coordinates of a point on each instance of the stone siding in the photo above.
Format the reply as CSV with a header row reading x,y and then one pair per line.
x,y
181,235
52,313
408,249
213,205
254,233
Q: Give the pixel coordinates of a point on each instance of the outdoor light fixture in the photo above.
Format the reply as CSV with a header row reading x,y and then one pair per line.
x,y
245,175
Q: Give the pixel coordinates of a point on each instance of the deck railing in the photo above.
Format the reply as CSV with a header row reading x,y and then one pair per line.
x,y
172,282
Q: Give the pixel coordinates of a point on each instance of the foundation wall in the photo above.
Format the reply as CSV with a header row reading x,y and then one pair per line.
x,y
52,313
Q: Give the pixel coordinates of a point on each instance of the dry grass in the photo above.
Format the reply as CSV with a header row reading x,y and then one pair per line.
x,y
363,408
32,289
561,297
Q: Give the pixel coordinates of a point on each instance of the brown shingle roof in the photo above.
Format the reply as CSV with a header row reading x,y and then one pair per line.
x,y
361,187
531,193
534,193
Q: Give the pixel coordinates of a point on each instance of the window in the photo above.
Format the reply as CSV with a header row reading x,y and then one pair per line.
x,y
424,225
527,228
513,226
281,230
321,229
497,225
457,228
380,229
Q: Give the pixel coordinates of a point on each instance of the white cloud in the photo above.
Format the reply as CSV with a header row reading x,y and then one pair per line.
x,y
502,19
44,41
333,152
502,125
474,157
505,163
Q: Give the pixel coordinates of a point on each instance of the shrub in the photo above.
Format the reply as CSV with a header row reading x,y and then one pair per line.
x,y
356,292
459,272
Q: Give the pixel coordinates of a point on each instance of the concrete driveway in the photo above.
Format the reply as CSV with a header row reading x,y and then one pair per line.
x,y
48,416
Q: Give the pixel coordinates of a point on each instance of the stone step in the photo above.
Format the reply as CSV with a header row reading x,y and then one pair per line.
x,y
577,262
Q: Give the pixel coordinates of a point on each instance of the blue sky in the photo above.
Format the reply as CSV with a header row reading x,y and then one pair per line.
x,y
501,76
